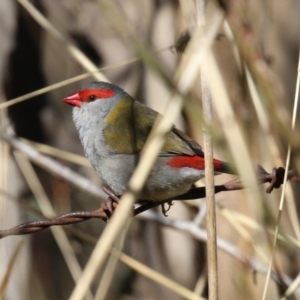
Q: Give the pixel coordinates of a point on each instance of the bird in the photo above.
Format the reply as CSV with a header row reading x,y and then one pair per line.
x,y
113,128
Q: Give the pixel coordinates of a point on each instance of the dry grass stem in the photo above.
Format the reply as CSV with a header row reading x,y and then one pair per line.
x,y
60,154
212,261
189,69
156,277
107,277
280,209
4,156
292,288
234,45
53,166
45,90
223,245
64,83
201,282
48,211
263,120
74,51
252,93
232,131
271,146
141,268
7,275
245,234
245,223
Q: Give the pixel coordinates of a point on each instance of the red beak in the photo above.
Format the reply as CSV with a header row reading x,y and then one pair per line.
x,y
73,100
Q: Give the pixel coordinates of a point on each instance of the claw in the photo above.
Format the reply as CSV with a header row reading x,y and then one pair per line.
x,y
109,207
110,204
165,210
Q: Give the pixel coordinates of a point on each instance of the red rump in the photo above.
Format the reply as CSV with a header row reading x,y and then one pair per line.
x,y
98,93
195,162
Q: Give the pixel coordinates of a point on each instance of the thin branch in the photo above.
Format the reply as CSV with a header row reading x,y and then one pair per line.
x,y
188,226
52,165
46,207
275,179
63,83
186,76
201,234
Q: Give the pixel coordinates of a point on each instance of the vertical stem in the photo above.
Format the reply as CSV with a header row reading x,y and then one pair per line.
x,y
210,195
209,173
280,209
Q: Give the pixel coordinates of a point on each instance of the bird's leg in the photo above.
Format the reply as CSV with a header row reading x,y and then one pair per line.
x,y
109,207
165,210
111,203
111,194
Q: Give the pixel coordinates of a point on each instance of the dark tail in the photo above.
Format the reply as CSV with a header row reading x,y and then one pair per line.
x,y
223,167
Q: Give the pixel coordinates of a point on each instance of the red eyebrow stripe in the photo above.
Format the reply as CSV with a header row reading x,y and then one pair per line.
x,y
99,93
195,162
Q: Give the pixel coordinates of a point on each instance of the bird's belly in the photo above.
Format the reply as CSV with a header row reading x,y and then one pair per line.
x,y
164,182
115,171
167,183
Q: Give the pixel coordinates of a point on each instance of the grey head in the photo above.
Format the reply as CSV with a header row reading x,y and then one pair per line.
x,y
94,101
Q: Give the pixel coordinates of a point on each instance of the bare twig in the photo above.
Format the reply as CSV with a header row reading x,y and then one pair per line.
x,y
66,219
52,165
188,226
154,143
275,179
198,233
201,234
46,207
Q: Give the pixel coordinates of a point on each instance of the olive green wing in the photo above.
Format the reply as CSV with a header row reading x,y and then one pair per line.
x,y
129,124
181,144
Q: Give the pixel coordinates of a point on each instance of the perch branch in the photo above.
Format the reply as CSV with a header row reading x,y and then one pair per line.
x,y
275,178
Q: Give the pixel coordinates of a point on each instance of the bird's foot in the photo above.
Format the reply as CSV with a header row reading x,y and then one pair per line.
x,y
110,204
111,194
109,207
164,209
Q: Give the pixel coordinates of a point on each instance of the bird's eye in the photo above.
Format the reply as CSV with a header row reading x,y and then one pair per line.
x,y
92,97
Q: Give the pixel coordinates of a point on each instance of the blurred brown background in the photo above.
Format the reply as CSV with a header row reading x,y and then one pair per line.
x,y
267,36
